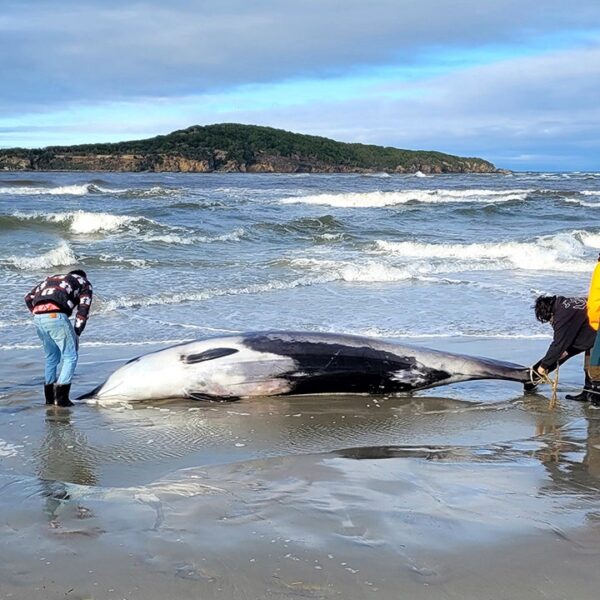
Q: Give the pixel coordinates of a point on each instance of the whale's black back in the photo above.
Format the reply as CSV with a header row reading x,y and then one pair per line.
x,y
325,365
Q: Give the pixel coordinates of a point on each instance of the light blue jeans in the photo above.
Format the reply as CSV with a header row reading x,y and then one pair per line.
x,y
60,341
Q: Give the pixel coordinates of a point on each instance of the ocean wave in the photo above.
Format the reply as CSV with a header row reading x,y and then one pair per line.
x,y
60,256
83,189
381,175
563,252
383,199
377,332
83,222
101,344
173,238
140,301
119,261
363,271
582,203
61,190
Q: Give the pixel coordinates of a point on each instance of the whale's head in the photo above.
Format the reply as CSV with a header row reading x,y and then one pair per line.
x,y
208,369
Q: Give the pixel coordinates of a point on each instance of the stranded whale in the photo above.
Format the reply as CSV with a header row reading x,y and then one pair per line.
x,y
272,363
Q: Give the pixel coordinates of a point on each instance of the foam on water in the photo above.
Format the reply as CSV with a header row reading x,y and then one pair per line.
x,y
561,252
60,255
105,306
583,203
83,222
8,450
382,199
361,271
173,238
61,190
84,189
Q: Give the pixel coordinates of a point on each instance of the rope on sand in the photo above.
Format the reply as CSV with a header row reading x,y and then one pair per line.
x,y
552,382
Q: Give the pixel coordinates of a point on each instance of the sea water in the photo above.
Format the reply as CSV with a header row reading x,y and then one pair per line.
x,y
299,497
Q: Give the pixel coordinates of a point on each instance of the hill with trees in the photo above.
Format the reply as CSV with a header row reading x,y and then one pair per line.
x,y
233,147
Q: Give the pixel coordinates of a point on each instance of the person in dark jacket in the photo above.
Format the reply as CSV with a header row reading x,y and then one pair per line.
x,y
572,334
52,302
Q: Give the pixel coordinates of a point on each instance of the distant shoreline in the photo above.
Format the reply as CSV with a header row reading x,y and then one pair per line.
x,y
234,148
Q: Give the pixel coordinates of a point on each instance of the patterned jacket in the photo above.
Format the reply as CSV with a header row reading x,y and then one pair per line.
x,y
62,293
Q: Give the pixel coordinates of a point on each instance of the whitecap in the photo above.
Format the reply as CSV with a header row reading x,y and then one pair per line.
x,y
61,190
106,305
83,189
84,222
583,203
61,255
173,238
563,252
361,271
383,199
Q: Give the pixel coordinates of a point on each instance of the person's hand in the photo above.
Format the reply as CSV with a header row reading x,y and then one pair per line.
x,y
541,371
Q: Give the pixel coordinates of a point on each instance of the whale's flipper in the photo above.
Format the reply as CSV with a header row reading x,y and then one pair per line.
x,y
202,396
192,359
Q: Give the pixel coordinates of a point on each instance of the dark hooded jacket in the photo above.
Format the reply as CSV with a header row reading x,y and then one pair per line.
x,y
572,331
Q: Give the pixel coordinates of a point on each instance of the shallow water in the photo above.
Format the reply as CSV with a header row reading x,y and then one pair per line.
x,y
466,491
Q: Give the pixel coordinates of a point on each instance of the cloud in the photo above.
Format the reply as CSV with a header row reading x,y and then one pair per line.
x,y
81,51
513,81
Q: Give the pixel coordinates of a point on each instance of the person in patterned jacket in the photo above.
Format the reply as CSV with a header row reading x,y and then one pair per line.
x,y
52,302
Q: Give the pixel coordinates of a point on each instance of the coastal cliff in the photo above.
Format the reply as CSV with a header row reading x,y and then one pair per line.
x,y
231,147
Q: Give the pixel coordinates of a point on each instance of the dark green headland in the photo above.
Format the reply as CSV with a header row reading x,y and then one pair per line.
x,y
237,148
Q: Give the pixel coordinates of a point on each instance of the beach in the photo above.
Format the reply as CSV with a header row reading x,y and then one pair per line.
x,y
473,490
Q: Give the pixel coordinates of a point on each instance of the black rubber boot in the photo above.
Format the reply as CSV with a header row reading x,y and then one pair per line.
x,y
583,396
49,393
62,394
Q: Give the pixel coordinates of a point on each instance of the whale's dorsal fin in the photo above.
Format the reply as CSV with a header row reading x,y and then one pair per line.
x,y
192,359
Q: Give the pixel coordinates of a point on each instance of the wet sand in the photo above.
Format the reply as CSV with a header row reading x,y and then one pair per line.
x,y
469,491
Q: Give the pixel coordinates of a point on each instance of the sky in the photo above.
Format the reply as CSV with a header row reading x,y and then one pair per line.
x,y
516,82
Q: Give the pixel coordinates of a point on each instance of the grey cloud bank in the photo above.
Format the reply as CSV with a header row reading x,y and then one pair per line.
x,y
57,52
59,55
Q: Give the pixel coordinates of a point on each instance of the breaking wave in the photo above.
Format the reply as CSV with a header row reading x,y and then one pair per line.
x,y
83,222
382,199
61,255
363,271
138,301
173,238
83,189
565,252
584,203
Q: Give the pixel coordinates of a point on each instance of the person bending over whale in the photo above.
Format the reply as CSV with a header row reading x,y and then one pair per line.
x,y
572,335
52,301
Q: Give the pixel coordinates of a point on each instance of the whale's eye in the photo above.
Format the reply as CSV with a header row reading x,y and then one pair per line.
x,y
191,359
